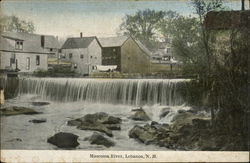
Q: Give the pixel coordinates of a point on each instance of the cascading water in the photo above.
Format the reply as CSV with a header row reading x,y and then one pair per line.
x,y
114,91
72,98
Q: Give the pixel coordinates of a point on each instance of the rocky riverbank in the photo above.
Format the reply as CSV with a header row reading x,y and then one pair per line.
x,y
181,129
189,130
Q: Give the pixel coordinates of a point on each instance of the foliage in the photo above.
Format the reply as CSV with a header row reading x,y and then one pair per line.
x,y
56,71
15,24
144,25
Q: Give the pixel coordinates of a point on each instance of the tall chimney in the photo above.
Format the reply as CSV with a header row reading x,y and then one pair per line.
x,y
81,34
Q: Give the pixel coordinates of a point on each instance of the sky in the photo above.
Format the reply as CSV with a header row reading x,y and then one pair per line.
x,y
67,18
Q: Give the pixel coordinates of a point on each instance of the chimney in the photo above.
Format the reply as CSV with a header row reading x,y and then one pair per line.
x,y
42,41
81,34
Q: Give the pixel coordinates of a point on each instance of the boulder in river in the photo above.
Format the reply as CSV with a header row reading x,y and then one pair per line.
x,y
140,115
40,103
15,110
99,139
42,120
64,140
164,112
101,122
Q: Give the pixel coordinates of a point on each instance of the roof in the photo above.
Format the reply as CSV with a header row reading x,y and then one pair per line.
x,y
112,41
51,42
77,42
216,20
31,42
143,48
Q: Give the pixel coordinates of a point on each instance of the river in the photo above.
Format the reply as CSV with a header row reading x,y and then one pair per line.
x,y
71,98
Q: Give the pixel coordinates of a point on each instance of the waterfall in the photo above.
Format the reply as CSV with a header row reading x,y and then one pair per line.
x,y
115,91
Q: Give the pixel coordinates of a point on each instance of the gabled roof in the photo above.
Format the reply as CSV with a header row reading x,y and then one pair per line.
x,y
31,42
51,42
77,42
112,41
5,45
143,48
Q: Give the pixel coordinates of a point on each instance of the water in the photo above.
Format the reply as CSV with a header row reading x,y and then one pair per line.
x,y
114,91
74,98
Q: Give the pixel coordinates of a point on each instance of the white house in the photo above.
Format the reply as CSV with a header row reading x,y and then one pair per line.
x,y
84,53
25,52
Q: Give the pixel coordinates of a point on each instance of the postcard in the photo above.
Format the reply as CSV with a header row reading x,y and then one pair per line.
x,y
124,80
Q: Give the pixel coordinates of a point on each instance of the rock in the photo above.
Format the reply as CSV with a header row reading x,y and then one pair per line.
x,y
76,122
113,126
164,112
15,140
140,115
42,120
40,103
143,134
14,110
99,139
101,122
64,140
154,123
95,127
181,111
192,110
137,109
201,123
101,117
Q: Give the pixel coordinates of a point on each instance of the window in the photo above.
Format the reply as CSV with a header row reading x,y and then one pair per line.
x,y
51,49
37,60
81,56
94,67
114,50
28,63
70,55
13,58
19,45
91,56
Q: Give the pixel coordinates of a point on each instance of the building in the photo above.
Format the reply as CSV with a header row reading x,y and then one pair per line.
x,y
83,52
128,54
25,52
230,30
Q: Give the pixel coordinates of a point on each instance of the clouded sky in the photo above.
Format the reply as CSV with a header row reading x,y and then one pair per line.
x,y
92,17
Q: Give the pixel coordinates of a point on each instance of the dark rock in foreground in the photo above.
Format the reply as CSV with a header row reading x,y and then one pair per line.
x,y
14,110
40,103
140,115
42,120
99,139
64,140
188,132
101,122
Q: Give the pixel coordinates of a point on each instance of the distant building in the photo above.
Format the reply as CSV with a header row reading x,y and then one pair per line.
x,y
128,54
83,52
25,52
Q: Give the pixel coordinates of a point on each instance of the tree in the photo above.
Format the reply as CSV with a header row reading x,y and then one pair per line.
x,y
143,25
202,7
15,24
187,43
